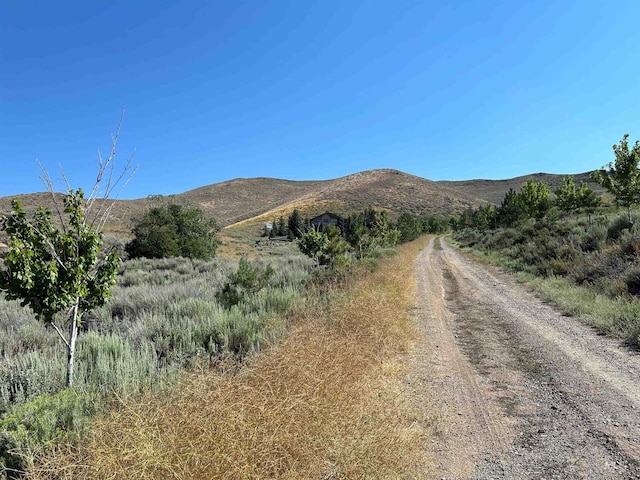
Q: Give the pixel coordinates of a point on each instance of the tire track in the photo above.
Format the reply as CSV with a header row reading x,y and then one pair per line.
x,y
525,391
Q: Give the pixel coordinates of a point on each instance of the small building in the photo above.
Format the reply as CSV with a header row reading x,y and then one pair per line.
x,y
323,221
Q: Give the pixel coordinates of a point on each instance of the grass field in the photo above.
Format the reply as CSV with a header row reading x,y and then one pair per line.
x,y
325,402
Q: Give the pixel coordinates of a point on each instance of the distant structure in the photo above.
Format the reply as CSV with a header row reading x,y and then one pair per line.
x,y
323,221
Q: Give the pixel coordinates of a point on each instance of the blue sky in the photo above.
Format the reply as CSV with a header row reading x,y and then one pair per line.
x,y
309,90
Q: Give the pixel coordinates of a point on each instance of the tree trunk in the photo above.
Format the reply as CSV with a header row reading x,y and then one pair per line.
x,y
71,348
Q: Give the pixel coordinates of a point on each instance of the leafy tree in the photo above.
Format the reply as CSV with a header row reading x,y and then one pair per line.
x,y
380,227
295,225
532,201
354,229
173,230
465,219
324,246
433,224
571,199
484,217
56,270
335,247
621,177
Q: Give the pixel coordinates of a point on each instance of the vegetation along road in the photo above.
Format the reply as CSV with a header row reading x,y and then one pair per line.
x,y
524,391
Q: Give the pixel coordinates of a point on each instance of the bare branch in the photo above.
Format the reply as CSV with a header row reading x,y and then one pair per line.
x,y
60,334
109,201
106,172
46,179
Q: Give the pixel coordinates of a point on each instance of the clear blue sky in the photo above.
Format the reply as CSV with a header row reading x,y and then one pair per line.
x,y
314,89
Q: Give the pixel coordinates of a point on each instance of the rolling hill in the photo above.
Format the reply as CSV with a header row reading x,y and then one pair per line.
x,y
250,200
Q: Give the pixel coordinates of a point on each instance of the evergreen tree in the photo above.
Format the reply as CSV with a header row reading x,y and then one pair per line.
x,y
295,225
567,195
510,211
587,200
534,199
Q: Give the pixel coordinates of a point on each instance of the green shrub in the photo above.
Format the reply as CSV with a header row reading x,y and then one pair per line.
x,y
246,281
618,225
632,280
27,430
110,363
24,377
594,238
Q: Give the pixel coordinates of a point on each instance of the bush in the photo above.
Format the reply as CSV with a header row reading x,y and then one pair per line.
x,y
27,430
594,239
632,280
618,225
174,231
247,280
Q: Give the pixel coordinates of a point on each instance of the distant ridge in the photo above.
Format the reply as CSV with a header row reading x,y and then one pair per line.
x,y
493,191
259,199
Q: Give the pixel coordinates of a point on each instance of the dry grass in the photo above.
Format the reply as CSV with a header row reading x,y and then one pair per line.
x,y
262,199
326,403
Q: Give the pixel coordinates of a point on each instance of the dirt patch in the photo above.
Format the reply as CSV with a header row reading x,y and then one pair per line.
x,y
524,391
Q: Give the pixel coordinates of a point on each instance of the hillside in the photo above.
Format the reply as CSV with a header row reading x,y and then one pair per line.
x,y
261,198
385,189
249,200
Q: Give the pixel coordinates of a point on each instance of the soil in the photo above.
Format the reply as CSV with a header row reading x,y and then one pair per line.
x,y
523,391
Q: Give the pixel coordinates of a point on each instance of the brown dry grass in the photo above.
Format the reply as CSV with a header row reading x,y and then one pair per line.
x,y
328,402
242,199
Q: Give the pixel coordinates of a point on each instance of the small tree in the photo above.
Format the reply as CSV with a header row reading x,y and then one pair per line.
x,y
313,244
408,226
247,280
621,177
587,200
484,217
534,198
510,211
567,195
57,268
336,246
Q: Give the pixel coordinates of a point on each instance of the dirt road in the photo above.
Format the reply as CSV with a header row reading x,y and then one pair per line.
x,y
524,391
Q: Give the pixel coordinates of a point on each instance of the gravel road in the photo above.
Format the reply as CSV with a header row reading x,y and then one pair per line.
x,y
524,392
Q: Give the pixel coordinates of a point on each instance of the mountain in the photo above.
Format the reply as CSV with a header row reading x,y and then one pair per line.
x,y
251,200
386,189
